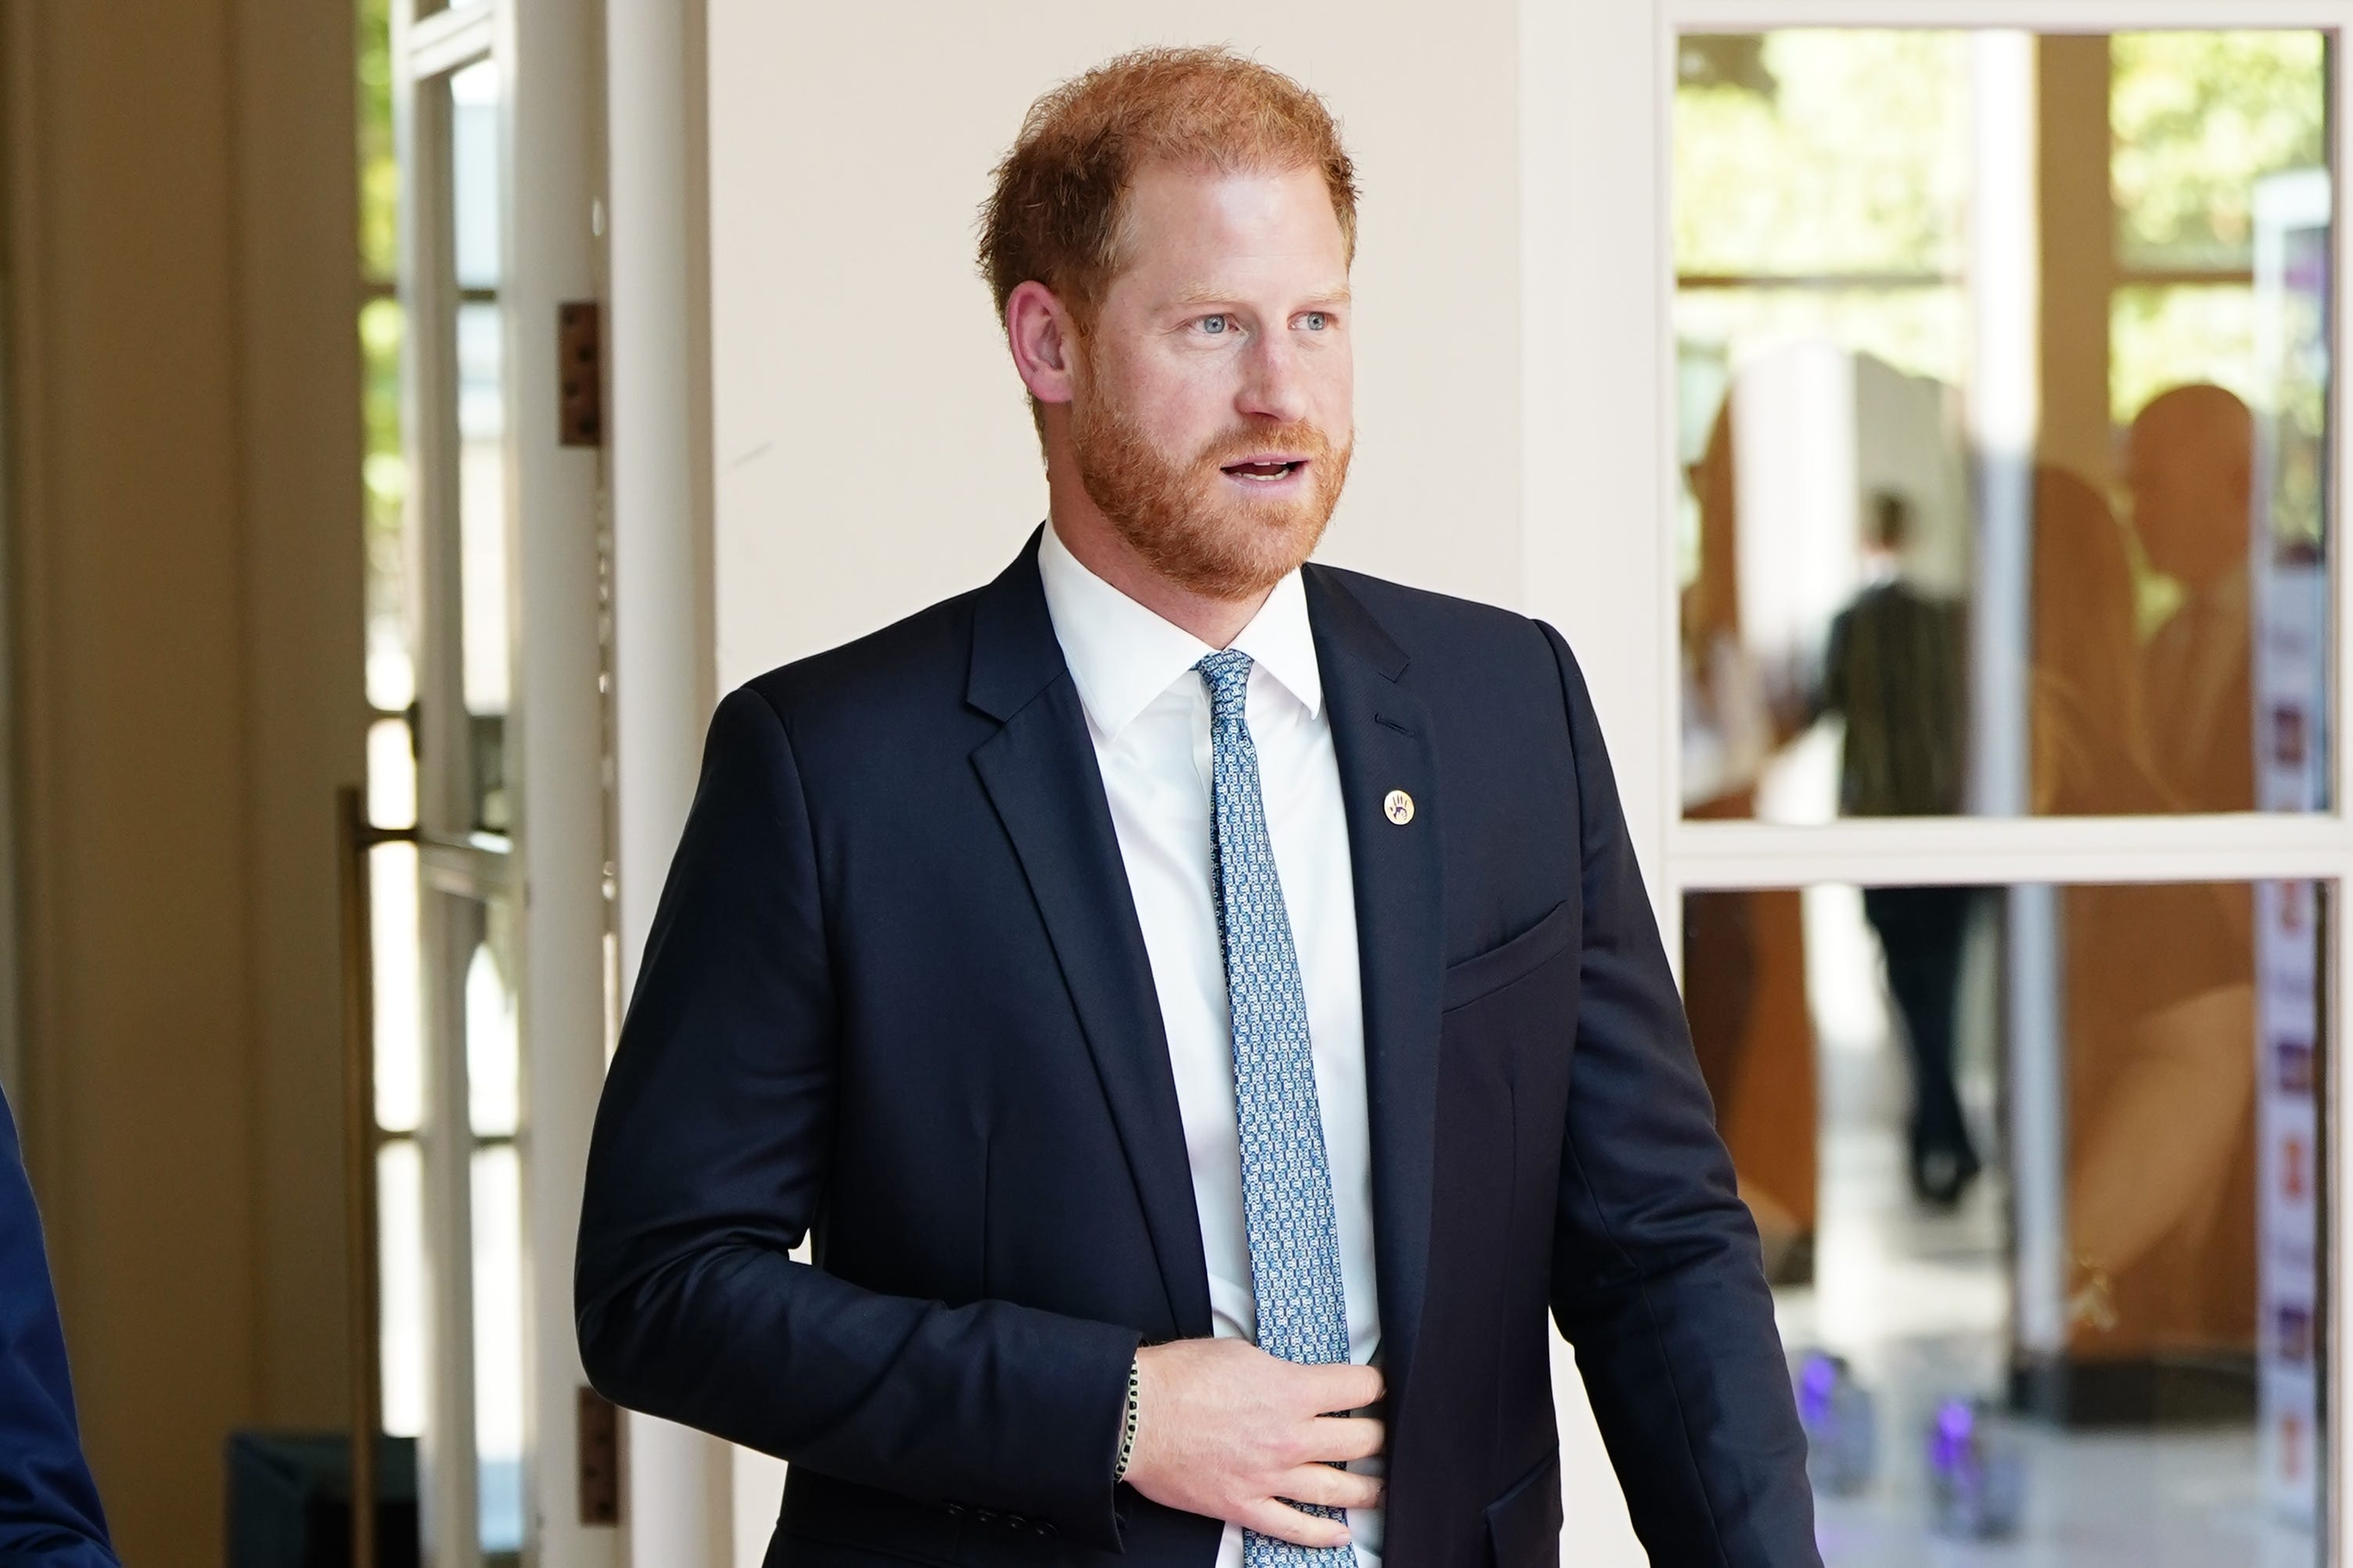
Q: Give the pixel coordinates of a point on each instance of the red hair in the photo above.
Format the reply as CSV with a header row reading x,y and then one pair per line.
x,y
1056,213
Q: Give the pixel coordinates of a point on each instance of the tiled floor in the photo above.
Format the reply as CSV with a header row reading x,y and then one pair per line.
x,y
1917,1303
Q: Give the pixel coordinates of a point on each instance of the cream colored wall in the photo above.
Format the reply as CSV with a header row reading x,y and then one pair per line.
x,y
183,544
873,449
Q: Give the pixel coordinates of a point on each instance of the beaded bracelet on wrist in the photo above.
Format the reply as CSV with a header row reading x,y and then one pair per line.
x,y
1127,1429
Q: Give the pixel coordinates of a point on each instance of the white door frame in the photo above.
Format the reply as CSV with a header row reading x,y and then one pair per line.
x,y
551,52
1599,439
680,1503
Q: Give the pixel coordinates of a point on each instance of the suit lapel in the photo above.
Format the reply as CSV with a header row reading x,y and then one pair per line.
x,y
1040,774
1381,735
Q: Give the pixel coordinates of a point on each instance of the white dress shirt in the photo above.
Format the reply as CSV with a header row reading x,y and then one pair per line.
x,y
1148,715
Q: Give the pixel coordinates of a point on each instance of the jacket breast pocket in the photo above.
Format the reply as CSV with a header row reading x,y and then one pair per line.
x,y
1487,973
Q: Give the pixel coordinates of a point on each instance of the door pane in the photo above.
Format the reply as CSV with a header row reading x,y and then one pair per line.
x,y
493,1058
402,1302
394,933
2004,381
2036,1169
483,554
383,474
476,213
499,1346
488,1191
477,226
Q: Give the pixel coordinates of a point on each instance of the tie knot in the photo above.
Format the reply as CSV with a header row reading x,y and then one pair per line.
x,y
1227,675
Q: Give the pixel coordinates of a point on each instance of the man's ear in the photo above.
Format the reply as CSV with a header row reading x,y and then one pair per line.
x,y
1040,332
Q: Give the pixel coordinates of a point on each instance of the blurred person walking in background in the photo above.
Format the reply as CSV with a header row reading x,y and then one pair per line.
x,y
1893,670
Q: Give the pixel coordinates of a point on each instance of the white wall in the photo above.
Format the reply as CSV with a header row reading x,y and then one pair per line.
x,y
872,447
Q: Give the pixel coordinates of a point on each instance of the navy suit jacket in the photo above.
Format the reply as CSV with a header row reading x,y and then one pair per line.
x,y
48,1507
896,999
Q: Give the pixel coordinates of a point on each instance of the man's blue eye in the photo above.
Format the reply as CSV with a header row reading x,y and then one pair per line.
x,y
1314,319
1213,324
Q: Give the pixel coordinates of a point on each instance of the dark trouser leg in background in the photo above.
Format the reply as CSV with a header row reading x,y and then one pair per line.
x,y
1921,931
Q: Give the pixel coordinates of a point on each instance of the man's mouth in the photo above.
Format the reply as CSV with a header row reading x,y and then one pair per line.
x,y
1266,470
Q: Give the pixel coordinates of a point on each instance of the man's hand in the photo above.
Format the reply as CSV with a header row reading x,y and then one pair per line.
x,y
1227,1430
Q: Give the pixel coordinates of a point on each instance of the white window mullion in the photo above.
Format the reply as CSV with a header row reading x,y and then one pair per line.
x,y
1929,851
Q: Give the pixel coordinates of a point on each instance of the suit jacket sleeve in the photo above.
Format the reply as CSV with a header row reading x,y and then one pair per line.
x,y
49,1506
709,1165
1657,1279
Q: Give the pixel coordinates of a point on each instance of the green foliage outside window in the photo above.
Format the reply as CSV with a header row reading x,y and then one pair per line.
x,y
379,174
2198,118
1848,153
385,467
1822,155
1825,154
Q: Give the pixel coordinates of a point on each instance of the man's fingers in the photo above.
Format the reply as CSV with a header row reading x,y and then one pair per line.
x,y
1330,1487
1343,1385
1345,1437
1284,1522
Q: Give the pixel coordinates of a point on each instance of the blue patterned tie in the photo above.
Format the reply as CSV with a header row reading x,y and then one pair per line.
x,y
1294,1243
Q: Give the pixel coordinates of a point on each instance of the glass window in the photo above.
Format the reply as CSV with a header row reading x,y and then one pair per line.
x,y
379,174
401,1286
476,216
480,356
493,1060
2198,119
486,1018
2002,423
499,1348
394,931
391,637
2036,1171
391,663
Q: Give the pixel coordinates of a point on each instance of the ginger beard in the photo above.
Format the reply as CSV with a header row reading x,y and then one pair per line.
x,y
1193,524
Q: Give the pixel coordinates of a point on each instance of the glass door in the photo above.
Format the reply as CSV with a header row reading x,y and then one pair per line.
x,y
1980,723
2004,436
483,909
454,1303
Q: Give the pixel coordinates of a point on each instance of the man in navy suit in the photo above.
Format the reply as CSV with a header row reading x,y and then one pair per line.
x,y
1201,1008
49,1506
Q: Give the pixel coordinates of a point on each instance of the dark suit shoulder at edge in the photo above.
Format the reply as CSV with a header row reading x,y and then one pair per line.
x,y
1424,622
916,652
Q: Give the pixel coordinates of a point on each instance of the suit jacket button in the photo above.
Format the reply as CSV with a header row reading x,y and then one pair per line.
x,y
986,1515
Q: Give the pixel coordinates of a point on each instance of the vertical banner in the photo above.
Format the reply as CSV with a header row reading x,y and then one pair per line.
x,y
2289,585
2288,1393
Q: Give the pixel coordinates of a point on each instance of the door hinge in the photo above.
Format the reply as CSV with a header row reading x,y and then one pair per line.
x,y
579,374
600,1459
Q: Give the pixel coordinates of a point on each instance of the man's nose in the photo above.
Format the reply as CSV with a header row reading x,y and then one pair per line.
x,y
1272,387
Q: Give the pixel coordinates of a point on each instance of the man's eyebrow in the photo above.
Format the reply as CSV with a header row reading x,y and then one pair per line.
x,y
1193,298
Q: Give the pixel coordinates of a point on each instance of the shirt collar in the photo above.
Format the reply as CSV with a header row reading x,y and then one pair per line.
x,y
1122,655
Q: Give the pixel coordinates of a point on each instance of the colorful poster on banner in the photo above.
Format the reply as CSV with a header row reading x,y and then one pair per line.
x,y
2290,589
